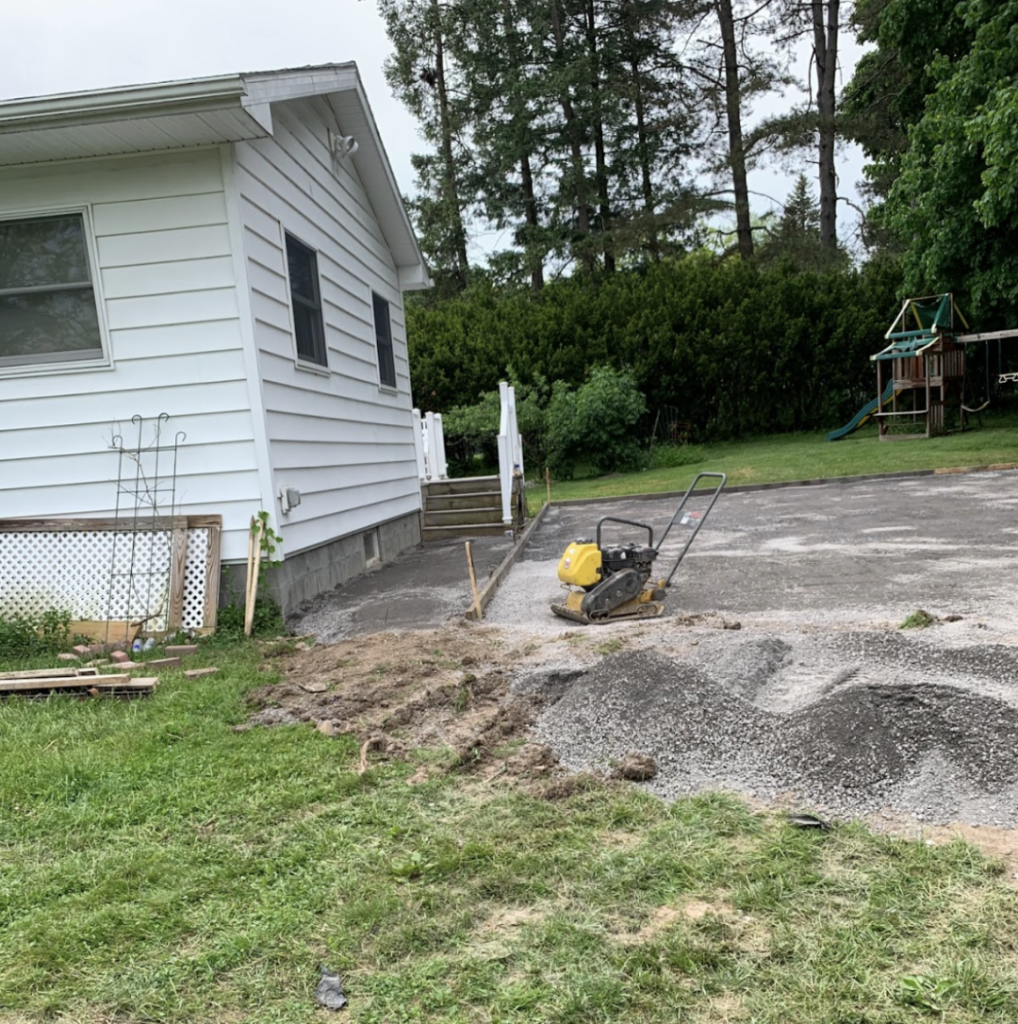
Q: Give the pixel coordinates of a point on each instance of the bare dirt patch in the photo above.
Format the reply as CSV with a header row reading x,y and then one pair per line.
x,y
505,920
444,688
1000,844
662,918
723,1009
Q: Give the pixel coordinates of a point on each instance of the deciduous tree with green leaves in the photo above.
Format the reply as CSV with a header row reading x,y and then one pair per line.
x,y
955,203
888,89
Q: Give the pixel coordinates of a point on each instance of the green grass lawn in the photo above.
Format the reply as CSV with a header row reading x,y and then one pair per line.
x,y
155,865
804,457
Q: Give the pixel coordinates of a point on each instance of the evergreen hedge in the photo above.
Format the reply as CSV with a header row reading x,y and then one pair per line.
x,y
736,348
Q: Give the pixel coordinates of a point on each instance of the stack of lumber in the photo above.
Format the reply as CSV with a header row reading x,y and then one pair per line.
x,y
81,682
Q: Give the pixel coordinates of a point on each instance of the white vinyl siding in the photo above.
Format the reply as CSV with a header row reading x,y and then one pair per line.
x,y
341,439
166,287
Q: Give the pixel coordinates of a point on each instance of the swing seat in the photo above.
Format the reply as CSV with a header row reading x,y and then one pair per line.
x,y
975,410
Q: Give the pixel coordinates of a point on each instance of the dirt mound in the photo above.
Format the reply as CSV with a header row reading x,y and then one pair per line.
x,y
394,692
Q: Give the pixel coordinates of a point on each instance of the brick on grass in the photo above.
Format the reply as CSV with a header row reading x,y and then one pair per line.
x,y
164,662
120,656
195,673
181,650
67,657
82,649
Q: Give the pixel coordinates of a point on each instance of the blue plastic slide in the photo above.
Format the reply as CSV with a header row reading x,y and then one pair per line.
x,y
863,415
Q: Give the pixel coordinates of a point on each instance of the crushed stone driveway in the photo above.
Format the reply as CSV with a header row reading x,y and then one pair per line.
x,y
817,697
838,553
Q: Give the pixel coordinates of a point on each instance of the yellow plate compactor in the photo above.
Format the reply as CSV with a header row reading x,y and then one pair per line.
x,y
614,582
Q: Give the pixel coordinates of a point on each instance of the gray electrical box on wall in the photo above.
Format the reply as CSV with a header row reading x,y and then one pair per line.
x,y
289,497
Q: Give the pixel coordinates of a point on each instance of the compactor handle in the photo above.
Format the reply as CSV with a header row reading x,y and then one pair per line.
x,y
722,480
625,522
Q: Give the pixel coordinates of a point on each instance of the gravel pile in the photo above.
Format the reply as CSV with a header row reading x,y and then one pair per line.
x,y
789,671
938,752
700,735
924,749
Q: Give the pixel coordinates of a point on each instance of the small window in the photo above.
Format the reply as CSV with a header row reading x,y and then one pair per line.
x,y
383,339
306,300
47,302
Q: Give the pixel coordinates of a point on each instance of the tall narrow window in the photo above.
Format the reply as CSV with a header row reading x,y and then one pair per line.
x,y
47,302
383,339
306,300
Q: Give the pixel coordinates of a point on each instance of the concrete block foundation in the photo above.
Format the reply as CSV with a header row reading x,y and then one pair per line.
x,y
308,573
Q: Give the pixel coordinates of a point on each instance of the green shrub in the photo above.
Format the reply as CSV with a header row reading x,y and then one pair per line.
x,y
471,431
23,636
267,622
471,435
596,424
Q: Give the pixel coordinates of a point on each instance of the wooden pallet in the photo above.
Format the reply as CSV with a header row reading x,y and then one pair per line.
x,y
81,682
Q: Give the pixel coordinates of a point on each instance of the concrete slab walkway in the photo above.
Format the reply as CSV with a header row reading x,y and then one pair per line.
x,y
422,588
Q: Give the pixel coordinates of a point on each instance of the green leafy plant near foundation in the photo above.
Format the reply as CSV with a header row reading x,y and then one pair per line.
x,y
268,617
25,636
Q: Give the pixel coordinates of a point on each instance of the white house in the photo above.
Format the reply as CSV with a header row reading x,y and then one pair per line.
x,y
231,251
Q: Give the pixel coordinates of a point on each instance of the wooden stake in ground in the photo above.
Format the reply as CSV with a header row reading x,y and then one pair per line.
x,y
547,482
473,582
250,566
254,564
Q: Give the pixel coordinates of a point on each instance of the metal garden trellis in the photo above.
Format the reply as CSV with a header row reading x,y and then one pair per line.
x,y
146,537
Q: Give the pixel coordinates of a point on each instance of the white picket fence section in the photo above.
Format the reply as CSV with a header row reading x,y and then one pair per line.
x,y
510,449
429,443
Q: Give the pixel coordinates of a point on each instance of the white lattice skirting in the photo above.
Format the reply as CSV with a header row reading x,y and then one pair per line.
x,y
165,576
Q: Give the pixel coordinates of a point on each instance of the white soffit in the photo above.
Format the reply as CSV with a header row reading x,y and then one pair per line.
x,y
135,119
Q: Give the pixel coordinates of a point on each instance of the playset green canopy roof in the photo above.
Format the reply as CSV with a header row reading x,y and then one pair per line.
x,y
919,324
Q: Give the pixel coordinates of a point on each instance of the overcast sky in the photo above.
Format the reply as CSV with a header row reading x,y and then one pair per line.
x,y
91,44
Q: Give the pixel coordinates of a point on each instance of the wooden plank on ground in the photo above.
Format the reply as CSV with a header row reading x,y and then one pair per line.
x,y
40,673
71,683
49,673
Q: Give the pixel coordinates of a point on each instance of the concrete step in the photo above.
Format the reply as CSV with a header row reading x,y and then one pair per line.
x,y
462,485
463,517
452,532
482,499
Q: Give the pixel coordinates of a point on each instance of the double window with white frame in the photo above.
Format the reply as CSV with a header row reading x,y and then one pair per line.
x,y
48,311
